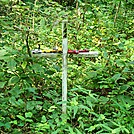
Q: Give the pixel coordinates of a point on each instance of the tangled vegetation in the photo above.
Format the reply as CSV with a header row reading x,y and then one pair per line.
x,y
100,90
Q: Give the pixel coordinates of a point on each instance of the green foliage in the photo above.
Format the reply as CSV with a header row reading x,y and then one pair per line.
x,y
100,90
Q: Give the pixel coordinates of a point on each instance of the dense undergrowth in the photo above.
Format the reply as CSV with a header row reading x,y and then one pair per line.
x,y
100,90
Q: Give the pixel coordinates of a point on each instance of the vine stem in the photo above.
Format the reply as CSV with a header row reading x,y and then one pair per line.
x,y
27,44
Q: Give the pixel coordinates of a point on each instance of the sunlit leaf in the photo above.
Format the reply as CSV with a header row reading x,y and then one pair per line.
x,y
21,117
28,115
43,119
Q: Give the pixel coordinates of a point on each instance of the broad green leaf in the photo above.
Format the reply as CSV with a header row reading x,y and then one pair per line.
x,y
5,1
75,109
28,115
126,130
84,107
1,74
15,91
43,126
14,122
132,130
78,132
11,64
2,53
12,100
119,105
131,83
31,90
52,108
124,88
132,62
103,100
91,128
101,117
24,64
2,84
43,119
42,23
21,124
101,131
92,74
89,102
50,72
104,86
105,54
93,96
37,68
106,127
80,89
114,123
21,117
30,105
7,125
1,124
20,103
13,80
74,102
126,70
116,131
116,77
29,120
120,63
71,130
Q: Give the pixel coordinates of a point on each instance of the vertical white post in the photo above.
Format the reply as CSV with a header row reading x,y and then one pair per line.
x,y
64,66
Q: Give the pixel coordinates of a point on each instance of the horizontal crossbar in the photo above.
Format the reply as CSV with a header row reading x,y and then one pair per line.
x,y
81,54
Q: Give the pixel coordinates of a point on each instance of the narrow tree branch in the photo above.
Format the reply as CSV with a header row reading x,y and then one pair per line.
x,y
115,17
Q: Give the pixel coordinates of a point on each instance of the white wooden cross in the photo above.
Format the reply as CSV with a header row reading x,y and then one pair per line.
x,y
38,52
64,66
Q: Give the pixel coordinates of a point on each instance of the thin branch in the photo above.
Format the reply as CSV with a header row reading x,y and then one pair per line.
x,y
115,17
